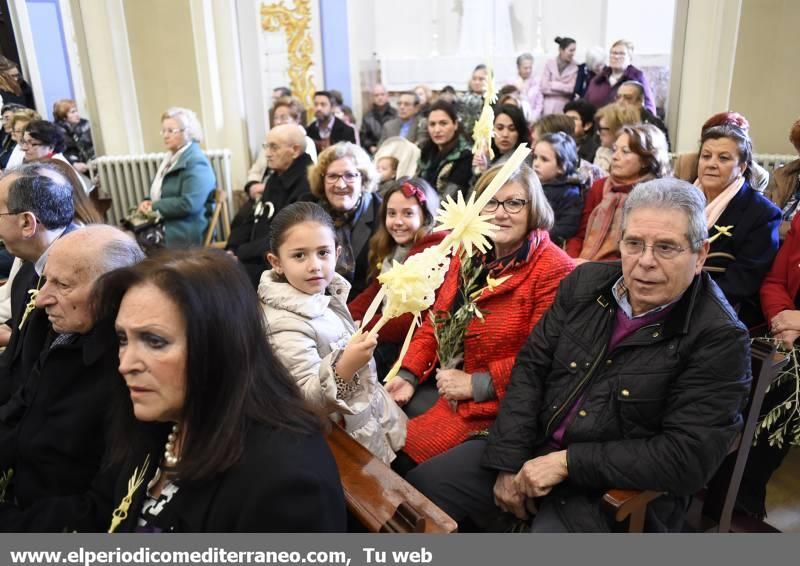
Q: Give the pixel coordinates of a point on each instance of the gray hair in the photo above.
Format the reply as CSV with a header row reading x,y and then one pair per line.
x,y
188,120
671,194
524,57
119,252
595,56
637,85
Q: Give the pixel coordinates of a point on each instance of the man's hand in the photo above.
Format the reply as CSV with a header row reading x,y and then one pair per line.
x,y
256,190
454,384
508,497
538,476
400,390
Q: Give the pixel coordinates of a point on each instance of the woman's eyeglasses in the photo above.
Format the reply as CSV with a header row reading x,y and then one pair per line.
x,y
27,143
172,131
512,205
349,177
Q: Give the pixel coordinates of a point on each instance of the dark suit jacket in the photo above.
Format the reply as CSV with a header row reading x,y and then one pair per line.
x,y
417,133
57,444
25,344
366,225
284,482
753,244
339,132
249,238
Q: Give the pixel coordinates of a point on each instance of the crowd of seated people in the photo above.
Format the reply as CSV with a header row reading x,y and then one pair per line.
x,y
222,370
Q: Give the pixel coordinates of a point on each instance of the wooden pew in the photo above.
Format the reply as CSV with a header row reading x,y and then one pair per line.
x,y
378,497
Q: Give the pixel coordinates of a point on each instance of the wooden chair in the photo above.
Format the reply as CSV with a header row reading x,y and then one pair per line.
x,y
219,226
378,497
631,505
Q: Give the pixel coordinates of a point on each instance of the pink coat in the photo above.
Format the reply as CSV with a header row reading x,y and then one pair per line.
x,y
557,88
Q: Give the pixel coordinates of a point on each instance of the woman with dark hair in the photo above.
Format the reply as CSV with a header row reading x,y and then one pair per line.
x,y
685,166
77,134
492,301
211,434
42,140
446,160
407,218
8,142
742,223
639,154
510,131
13,88
558,77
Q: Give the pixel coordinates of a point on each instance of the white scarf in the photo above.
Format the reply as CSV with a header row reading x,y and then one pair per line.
x,y
716,207
166,166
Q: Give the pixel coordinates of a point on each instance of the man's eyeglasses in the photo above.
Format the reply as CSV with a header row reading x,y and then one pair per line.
x,y
172,131
10,213
349,177
662,250
512,205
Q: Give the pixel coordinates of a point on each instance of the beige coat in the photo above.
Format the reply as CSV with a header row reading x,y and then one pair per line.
x,y
307,333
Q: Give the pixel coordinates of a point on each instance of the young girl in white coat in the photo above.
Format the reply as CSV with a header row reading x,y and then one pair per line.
x,y
310,328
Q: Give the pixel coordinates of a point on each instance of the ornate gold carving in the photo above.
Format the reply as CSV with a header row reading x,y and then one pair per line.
x,y
296,22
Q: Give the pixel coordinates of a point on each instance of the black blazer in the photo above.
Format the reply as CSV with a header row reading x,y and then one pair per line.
x,y
63,415
753,243
339,132
365,226
249,238
284,482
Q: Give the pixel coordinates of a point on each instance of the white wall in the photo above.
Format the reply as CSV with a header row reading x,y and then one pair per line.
x,y
418,40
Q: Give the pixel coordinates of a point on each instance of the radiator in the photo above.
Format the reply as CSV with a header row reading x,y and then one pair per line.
x,y
127,178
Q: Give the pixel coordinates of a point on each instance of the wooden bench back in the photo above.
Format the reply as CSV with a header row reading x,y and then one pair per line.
x,y
378,497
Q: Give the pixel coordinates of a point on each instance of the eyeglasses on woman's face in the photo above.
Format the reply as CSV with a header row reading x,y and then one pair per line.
x,y
349,177
30,143
171,131
511,206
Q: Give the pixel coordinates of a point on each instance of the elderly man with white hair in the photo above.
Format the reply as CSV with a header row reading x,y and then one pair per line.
x,y
54,435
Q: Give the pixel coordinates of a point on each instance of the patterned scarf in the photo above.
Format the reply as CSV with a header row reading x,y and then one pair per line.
x,y
604,228
343,223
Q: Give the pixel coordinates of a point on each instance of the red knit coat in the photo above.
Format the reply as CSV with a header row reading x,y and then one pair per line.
x,y
394,331
782,283
510,313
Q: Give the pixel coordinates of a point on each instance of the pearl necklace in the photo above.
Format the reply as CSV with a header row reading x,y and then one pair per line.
x,y
169,456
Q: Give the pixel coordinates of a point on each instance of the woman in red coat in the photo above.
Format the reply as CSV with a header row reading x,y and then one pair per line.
x,y
406,219
516,283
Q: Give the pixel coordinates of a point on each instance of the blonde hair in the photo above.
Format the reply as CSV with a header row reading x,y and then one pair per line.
x,y
25,115
188,120
540,213
628,45
616,116
316,173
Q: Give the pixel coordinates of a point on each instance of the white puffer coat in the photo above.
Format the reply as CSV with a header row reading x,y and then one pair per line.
x,y
307,332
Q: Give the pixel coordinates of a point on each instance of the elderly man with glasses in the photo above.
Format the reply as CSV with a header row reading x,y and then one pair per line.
x,y
36,209
635,378
285,182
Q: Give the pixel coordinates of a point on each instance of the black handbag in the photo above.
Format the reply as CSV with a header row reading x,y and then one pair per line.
x,y
147,228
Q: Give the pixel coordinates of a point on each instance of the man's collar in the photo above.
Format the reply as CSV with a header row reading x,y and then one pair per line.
x,y
39,264
620,294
